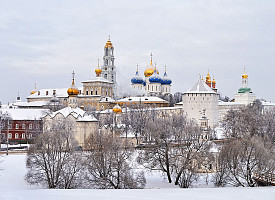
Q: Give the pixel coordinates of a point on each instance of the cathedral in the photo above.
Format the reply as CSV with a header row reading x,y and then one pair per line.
x,y
153,83
98,92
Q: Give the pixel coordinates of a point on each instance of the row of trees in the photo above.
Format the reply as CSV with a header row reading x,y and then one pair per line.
x,y
54,162
174,146
249,148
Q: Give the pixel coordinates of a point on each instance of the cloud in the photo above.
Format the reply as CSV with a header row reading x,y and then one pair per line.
x,y
44,39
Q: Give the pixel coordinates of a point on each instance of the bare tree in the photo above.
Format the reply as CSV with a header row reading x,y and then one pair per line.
x,y
108,164
177,149
138,116
244,157
51,160
159,155
250,146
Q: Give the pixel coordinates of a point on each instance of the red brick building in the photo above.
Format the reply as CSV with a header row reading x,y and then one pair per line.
x,y
24,125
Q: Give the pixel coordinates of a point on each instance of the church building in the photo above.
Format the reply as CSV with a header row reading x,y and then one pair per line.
x,y
153,83
245,94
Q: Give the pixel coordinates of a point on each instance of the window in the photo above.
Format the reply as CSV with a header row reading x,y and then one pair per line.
x,y
91,92
38,92
156,88
37,126
10,136
87,92
47,92
23,126
105,76
16,136
17,126
54,92
23,136
30,126
10,126
96,92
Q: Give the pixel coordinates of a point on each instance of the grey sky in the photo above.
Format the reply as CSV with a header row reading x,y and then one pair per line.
x,y
43,41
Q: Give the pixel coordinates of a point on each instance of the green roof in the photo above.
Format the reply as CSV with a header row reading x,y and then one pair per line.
x,y
244,90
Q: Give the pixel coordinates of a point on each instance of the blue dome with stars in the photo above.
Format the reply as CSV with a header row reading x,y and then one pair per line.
x,y
137,79
155,78
166,80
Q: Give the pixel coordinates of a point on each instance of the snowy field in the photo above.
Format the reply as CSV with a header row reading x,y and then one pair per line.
x,y
14,187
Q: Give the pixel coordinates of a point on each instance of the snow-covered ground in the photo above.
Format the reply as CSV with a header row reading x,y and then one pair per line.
x,y
13,187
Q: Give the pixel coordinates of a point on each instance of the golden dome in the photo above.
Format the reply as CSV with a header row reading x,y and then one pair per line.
x,y
34,91
98,71
150,70
117,109
108,43
72,91
208,78
213,81
244,74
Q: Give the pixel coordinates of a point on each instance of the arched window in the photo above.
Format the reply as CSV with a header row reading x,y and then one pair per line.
x,y
23,135
16,135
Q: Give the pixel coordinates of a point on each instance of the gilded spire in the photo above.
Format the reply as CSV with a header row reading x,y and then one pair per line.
x,y
34,91
98,70
151,55
73,78
244,74
108,43
72,90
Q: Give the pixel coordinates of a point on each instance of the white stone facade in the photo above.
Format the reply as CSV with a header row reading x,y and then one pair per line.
x,y
199,98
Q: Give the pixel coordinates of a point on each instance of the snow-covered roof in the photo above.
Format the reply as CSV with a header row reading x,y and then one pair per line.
x,y
141,99
222,103
87,118
76,112
106,99
265,103
97,79
200,87
24,114
59,93
30,104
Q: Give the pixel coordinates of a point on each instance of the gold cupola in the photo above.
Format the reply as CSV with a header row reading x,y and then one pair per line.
x,y
73,91
108,43
150,69
208,78
244,74
34,91
117,109
98,70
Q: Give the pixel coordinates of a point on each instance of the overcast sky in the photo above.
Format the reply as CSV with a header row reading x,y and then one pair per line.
x,y
42,42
